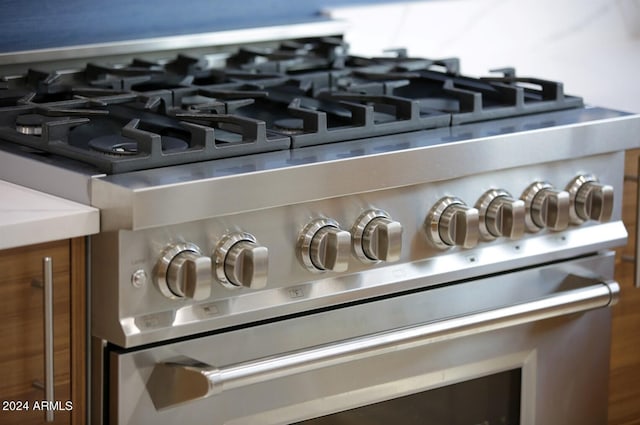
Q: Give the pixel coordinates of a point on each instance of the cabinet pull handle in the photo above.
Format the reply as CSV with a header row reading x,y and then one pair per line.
x,y
47,273
636,259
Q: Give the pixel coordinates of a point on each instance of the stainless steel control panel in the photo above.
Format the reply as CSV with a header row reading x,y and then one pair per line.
x,y
226,270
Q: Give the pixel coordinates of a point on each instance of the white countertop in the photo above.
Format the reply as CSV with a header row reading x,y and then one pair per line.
x,y
28,217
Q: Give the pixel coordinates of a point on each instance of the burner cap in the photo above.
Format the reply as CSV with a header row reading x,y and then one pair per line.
x,y
31,124
196,100
289,125
118,145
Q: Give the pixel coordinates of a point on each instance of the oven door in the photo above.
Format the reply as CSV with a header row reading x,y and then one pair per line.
x,y
526,347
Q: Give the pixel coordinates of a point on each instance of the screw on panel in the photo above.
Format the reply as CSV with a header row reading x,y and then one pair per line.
x,y
139,278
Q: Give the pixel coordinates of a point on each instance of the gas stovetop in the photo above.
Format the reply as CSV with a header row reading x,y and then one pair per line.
x,y
148,114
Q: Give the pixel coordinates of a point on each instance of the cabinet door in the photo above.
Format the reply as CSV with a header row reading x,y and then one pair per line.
x,y
22,333
624,391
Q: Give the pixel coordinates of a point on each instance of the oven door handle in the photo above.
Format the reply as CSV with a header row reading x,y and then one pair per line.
x,y
175,383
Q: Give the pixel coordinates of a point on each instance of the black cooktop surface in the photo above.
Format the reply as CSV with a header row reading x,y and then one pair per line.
x,y
143,114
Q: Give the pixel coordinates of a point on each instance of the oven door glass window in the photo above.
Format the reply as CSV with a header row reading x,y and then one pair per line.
x,y
490,400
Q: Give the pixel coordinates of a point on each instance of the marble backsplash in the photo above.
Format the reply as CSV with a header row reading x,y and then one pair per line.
x,y
593,47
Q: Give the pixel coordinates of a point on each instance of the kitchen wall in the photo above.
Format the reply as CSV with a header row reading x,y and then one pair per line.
x,y
41,24
592,46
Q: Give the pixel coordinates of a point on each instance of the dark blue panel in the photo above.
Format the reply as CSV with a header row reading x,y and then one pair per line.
x,y
28,25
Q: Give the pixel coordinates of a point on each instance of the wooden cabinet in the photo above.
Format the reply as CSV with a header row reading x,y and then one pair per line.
x,y
624,381
22,332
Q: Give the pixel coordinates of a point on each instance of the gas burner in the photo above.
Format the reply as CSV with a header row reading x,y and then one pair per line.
x,y
31,124
292,57
118,145
197,100
289,125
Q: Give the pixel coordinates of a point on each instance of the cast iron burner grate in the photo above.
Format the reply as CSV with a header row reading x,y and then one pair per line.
x,y
119,137
148,114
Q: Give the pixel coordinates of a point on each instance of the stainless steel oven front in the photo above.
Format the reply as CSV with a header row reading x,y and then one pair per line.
x,y
368,291
529,346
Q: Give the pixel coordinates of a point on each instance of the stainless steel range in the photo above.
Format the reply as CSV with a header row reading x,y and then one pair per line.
x,y
293,233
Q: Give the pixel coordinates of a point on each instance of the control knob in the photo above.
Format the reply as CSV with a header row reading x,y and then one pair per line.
x,y
451,222
546,207
322,246
239,261
183,272
500,215
589,199
376,237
